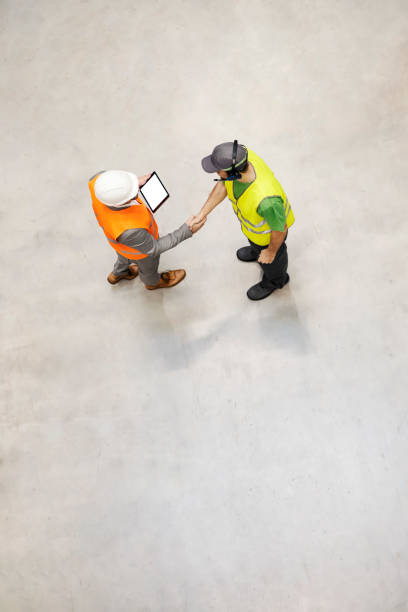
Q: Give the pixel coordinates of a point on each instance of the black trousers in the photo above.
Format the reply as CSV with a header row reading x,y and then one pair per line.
x,y
274,274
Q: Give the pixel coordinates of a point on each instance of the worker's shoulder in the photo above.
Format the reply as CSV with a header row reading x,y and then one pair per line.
x,y
95,175
221,187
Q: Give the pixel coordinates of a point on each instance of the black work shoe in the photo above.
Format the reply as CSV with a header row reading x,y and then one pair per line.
x,y
246,253
258,292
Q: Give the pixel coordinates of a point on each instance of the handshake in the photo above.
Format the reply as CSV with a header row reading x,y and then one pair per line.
x,y
196,222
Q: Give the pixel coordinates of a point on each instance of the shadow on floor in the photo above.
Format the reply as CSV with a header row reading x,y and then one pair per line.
x,y
255,328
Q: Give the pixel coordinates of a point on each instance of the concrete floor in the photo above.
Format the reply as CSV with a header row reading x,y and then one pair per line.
x,y
190,450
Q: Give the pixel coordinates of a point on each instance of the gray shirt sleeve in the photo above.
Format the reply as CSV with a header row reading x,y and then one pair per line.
x,y
144,242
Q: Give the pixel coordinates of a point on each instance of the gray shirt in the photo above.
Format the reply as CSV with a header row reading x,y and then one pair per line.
x,y
144,242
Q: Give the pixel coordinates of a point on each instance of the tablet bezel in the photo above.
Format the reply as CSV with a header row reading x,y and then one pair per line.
x,y
145,199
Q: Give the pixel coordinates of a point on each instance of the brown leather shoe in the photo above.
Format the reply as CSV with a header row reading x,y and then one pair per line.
x,y
169,279
133,272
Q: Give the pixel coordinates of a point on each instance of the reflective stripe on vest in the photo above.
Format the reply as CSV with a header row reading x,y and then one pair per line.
x,y
250,226
253,225
125,250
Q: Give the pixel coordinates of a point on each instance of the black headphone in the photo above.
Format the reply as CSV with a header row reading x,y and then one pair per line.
x,y
234,174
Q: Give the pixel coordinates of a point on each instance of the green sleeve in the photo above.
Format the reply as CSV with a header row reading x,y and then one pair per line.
x,y
273,211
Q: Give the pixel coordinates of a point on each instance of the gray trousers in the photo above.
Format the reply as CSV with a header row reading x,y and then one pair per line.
x,y
147,268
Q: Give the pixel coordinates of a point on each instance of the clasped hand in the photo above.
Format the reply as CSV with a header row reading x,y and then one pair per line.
x,y
196,222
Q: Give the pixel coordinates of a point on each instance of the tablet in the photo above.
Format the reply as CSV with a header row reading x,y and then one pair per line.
x,y
154,192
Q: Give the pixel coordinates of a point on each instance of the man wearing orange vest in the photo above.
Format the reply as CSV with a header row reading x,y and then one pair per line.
x,y
131,230
261,207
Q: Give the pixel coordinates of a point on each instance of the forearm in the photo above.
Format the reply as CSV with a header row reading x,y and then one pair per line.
x,y
216,196
165,243
276,241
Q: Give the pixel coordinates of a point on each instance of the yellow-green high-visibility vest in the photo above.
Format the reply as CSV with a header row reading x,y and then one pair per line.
x,y
265,185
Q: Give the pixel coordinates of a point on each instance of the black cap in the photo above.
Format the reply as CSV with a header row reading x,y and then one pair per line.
x,y
221,158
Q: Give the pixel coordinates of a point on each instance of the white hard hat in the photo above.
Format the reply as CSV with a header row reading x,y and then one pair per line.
x,y
116,187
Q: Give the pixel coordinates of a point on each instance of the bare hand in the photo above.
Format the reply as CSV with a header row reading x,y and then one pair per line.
x,y
197,218
143,179
195,223
266,256
191,220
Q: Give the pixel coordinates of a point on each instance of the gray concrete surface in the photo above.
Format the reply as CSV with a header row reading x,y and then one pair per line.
x,y
190,450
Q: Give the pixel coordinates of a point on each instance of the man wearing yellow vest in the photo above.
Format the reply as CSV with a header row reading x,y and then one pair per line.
x,y
131,229
261,206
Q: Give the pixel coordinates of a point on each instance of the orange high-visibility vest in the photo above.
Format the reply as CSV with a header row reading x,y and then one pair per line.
x,y
115,222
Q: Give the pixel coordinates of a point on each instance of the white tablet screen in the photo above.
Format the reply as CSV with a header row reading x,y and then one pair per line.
x,y
153,192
